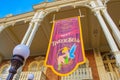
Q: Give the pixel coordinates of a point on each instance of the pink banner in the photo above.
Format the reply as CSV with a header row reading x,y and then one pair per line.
x,y
65,51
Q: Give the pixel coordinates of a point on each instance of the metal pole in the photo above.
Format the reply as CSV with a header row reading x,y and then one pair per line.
x,y
113,27
10,76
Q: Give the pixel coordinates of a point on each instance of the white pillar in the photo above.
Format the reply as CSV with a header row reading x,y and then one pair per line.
x,y
27,33
35,28
31,36
108,35
113,27
29,29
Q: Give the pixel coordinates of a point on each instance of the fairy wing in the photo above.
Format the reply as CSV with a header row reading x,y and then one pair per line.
x,y
72,51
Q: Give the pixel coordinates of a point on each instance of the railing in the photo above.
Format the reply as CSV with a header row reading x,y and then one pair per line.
x,y
80,74
3,76
112,76
38,75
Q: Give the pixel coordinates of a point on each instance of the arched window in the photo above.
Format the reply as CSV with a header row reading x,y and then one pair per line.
x,y
40,67
33,66
37,65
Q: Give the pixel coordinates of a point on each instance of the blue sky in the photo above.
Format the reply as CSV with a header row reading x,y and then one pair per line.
x,y
17,6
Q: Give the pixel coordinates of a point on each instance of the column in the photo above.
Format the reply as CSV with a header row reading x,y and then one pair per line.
x,y
35,28
108,35
31,24
113,26
29,36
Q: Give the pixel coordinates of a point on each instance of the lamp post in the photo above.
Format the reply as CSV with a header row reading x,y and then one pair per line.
x,y
30,76
20,54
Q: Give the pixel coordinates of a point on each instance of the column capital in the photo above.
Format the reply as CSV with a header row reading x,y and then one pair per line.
x,y
39,15
96,6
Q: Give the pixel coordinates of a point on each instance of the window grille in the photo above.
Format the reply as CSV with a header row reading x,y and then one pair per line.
x,y
110,66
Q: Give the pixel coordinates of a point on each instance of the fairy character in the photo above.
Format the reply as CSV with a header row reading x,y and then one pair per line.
x,y
66,55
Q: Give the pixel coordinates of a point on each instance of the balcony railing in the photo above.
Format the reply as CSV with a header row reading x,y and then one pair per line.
x,y
112,76
3,76
80,74
38,75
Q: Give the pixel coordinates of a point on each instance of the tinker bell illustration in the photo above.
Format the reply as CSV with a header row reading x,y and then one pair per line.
x,y
67,54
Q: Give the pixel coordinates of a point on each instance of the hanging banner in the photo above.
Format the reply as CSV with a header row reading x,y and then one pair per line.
x,y
65,51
